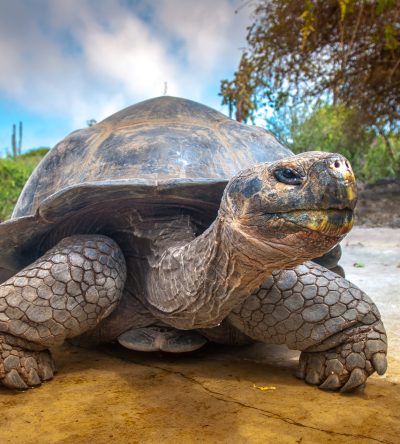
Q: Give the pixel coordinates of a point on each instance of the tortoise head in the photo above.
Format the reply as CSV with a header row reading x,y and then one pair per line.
x,y
306,201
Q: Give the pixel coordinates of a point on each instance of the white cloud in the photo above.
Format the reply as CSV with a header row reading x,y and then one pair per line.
x,y
85,58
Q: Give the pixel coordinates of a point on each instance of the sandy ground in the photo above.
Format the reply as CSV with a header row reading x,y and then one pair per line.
x,y
213,395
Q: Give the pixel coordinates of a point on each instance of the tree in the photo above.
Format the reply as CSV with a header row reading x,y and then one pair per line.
x,y
346,52
240,93
91,122
333,129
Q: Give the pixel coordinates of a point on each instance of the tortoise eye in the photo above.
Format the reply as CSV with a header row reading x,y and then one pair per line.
x,y
288,176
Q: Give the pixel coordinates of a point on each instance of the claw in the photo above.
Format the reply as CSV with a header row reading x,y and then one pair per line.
x,y
313,377
14,381
301,369
357,377
379,362
33,378
332,382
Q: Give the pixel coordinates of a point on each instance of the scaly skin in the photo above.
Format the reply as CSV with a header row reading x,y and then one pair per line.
x,y
66,292
335,325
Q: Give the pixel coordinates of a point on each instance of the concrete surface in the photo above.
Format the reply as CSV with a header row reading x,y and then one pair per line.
x,y
218,394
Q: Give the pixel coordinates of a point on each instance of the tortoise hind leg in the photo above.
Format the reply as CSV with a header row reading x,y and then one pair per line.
x,y
64,293
166,339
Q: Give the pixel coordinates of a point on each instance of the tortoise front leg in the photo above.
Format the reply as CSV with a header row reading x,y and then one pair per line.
x,y
335,325
64,293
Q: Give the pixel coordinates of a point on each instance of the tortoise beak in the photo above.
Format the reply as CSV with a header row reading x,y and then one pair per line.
x,y
332,182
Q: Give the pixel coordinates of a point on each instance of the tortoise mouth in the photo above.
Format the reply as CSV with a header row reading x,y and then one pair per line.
x,y
331,221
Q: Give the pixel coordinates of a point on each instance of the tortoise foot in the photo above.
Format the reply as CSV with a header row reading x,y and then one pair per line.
x,y
166,339
347,366
21,368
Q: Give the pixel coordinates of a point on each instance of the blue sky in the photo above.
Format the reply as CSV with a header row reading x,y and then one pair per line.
x,y
66,61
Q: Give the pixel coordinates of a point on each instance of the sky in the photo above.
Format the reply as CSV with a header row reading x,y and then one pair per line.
x,y
64,62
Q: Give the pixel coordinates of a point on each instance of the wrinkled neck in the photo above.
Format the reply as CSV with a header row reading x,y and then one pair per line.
x,y
197,284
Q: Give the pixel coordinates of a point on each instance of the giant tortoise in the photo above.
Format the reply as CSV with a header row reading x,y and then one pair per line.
x,y
168,225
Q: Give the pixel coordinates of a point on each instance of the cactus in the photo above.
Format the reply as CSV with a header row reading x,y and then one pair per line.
x,y
20,139
14,142
16,148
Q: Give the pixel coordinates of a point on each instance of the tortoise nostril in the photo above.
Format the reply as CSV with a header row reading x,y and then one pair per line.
x,y
347,164
337,164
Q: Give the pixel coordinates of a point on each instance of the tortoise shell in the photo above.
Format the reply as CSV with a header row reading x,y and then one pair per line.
x,y
163,151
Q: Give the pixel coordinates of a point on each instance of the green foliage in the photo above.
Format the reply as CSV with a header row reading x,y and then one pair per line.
x,y
378,164
335,129
13,175
240,93
332,129
344,51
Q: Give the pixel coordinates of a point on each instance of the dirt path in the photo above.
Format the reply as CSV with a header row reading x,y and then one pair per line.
x,y
212,396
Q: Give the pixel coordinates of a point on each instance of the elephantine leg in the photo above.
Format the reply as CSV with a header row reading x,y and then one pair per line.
x,y
64,293
335,325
